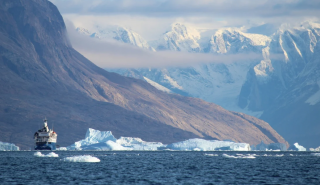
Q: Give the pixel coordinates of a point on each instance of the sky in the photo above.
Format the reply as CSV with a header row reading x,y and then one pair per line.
x,y
152,18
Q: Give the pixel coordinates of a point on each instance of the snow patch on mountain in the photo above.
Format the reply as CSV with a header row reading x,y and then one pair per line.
x,y
156,85
172,82
315,98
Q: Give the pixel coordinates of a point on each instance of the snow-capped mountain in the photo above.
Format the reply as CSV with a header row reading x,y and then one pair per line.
x,y
282,88
179,38
233,40
119,33
216,82
289,94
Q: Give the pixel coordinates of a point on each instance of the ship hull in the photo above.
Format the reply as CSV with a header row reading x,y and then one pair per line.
x,y
45,146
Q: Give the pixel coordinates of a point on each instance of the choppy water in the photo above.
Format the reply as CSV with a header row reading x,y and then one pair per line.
x,y
161,168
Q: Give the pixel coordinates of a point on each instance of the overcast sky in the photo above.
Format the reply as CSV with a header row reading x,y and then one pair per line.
x,y
202,14
151,18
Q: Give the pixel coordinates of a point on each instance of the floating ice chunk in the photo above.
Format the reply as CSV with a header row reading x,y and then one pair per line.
x,y
38,154
51,154
316,154
62,148
228,156
297,147
248,157
280,155
239,156
81,158
211,154
8,147
315,149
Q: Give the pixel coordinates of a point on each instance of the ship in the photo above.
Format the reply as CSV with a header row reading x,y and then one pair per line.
x,y
45,138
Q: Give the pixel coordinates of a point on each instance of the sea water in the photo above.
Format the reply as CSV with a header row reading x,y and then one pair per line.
x,y
160,167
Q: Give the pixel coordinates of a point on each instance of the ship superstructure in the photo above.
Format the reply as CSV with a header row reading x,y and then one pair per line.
x,y
45,138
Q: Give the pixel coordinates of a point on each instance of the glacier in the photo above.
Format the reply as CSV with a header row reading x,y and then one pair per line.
x,y
8,147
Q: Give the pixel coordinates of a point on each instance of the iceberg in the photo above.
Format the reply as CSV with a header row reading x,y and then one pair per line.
x,y
105,146
51,154
105,141
138,144
271,147
93,137
208,145
8,147
81,158
297,147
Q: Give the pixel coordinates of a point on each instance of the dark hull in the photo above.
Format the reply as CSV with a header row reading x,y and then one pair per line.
x,y
45,146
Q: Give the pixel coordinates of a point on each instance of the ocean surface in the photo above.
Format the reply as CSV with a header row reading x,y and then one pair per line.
x,y
165,167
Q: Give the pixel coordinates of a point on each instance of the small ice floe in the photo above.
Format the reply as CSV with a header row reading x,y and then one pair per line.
x,y
211,155
82,158
62,149
239,156
280,155
266,155
291,154
316,154
51,154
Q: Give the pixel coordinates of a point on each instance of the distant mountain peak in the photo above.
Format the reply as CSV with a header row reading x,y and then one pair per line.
x,y
179,38
116,32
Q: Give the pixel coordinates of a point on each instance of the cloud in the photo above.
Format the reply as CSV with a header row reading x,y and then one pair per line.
x,y
178,8
113,54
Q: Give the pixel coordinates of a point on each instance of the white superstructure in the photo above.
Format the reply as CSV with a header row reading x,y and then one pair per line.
x,y
45,136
